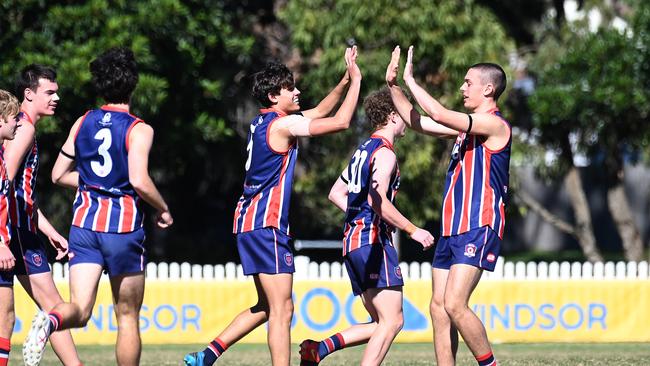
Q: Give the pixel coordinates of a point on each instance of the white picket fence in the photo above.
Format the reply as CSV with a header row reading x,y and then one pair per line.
x,y
307,270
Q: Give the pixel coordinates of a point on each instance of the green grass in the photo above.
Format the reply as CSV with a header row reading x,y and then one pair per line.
x,y
548,354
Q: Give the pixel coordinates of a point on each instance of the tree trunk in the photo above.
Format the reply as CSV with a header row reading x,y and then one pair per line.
x,y
584,229
619,207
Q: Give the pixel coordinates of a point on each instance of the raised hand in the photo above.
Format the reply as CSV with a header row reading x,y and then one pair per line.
x,y
351,63
423,237
392,69
408,68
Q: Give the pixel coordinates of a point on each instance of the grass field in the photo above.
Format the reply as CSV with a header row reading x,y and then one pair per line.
x,y
400,354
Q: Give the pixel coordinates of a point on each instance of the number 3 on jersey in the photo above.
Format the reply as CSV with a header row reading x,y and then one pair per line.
x,y
356,167
102,169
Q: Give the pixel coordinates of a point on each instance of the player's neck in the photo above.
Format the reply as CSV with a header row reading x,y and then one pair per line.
x,y
30,112
385,133
121,106
486,106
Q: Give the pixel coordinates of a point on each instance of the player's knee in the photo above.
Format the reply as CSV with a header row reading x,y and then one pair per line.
x,y
397,323
9,320
453,307
437,308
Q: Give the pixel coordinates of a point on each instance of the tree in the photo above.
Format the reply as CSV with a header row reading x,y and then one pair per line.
x,y
593,103
193,58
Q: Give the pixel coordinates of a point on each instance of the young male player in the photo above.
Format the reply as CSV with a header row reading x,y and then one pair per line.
x,y
474,200
365,192
9,110
106,158
261,216
38,87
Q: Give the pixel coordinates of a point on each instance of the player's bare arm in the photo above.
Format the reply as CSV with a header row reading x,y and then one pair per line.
x,y
339,193
382,166
484,124
325,107
57,240
140,141
289,127
16,149
63,172
406,110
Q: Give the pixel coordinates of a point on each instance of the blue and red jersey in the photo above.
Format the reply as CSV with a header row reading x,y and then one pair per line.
x,y
269,179
22,205
363,226
105,201
476,187
5,190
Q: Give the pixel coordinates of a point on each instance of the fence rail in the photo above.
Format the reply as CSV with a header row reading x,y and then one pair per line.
x,y
307,270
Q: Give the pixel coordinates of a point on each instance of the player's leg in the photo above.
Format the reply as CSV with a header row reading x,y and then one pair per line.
x,y
244,323
313,352
40,287
84,279
128,292
7,321
445,335
388,304
473,252
277,289
461,283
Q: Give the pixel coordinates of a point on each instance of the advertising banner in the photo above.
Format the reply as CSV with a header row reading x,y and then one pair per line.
x,y
512,311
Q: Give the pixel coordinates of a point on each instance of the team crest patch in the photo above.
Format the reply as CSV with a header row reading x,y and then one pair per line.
x,y
491,257
398,272
288,259
37,260
470,250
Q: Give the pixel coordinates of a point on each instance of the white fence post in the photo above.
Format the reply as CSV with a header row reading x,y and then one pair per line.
x,y
308,270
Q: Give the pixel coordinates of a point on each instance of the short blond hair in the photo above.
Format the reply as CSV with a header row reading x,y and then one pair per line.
x,y
9,106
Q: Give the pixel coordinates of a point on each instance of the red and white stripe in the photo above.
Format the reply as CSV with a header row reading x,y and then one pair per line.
x,y
127,214
276,195
81,212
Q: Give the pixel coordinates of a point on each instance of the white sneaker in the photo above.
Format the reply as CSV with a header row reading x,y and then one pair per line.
x,y
34,345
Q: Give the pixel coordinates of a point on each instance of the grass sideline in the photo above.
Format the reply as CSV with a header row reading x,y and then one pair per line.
x,y
521,354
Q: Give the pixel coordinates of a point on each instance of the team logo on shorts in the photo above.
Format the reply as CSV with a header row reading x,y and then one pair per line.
x,y
288,259
470,250
398,272
491,257
37,260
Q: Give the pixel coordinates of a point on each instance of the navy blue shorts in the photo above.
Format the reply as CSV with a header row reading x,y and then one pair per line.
x,y
265,250
373,266
117,253
29,251
478,247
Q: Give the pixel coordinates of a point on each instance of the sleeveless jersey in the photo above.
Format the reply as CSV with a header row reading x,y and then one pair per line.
x,y
5,190
105,201
363,226
269,179
476,185
22,205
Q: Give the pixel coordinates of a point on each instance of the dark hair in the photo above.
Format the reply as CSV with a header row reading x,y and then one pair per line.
x,y
115,74
271,80
378,105
492,74
29,77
